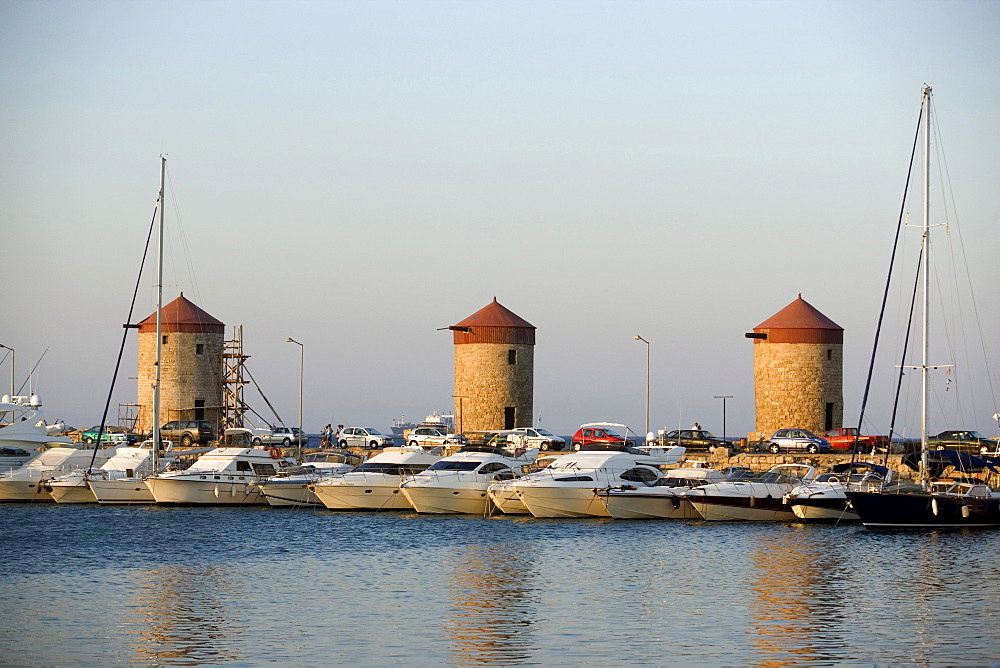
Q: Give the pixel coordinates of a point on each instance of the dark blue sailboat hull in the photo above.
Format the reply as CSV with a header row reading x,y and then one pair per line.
x,y
919,510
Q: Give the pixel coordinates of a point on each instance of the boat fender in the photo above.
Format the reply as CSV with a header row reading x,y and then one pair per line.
x,y
676,500
934,506
274,452
965,510
753,501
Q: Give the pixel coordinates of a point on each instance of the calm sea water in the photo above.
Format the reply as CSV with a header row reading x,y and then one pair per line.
x,y
248,586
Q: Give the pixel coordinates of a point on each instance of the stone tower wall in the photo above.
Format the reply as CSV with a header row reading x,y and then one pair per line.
x,y
186,377
488,382
794,382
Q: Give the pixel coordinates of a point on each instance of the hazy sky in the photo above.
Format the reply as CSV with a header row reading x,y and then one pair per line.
x,y
356,175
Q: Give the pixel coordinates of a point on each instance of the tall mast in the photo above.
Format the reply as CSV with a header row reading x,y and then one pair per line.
x,y
924,469
159,316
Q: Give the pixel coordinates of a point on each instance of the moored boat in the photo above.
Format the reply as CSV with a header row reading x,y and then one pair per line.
x,y
824,498
567,487
221,476
658,499
760,498
375,484
290,488
459,483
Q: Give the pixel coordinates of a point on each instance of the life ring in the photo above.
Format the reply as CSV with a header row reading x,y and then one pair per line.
x,y
274,452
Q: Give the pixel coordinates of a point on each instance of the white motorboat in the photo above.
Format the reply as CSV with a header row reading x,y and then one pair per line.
x,y
824,498
757,498
221,476
567,487
24,431
290,488
458,483
26,482
112,485
375,484
660,498
126,462
505,498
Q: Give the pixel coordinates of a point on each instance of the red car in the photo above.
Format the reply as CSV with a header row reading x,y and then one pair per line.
x,y
602,433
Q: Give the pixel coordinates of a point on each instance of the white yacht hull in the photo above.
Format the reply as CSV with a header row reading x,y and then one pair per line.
x,y
448,500
811,512
123,491
363,495
562,501
739,510
205,492
23,490
289,494
647,505
506,500
72,493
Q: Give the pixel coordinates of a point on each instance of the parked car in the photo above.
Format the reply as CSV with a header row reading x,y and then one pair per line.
x,y
536,437
363,437
696,439
110,435
188,432
282,436
964,440
602,433
847,439
791,440
427,437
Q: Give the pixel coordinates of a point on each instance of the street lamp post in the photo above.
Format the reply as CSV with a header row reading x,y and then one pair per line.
x,y
723,397
11,369
639,338
302,352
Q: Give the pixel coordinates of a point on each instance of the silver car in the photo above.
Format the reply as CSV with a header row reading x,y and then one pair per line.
x,y
791,440
283,436
363,437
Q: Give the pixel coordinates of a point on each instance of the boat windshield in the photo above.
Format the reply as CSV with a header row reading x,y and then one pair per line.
x,y
390,468
778,477
454,466
680,482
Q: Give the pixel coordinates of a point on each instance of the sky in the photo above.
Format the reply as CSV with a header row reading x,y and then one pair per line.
x,y
357,175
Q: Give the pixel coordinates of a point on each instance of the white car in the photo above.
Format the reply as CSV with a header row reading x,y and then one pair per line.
x,y
536,437
426,437
363,437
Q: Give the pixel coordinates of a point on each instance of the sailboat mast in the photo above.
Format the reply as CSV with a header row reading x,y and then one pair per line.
x,y
924,469
159,316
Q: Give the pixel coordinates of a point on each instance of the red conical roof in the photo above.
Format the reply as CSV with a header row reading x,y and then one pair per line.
x,y
800,314
800,322
495,314
182,315
494,323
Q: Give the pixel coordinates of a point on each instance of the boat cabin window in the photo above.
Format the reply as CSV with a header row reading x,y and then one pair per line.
x,y
453,466
639,475
575,478
263,469
493,467
243,465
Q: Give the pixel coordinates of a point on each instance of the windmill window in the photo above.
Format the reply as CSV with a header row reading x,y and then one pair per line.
x,y
164,339
512,356
829,353
199,349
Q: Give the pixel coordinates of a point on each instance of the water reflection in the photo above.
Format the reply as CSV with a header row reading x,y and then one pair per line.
x,y
788,570
189,615
492,604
